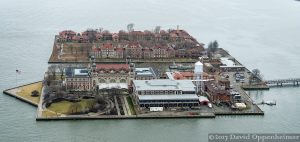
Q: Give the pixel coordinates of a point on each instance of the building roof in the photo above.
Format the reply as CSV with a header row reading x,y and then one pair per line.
x,y
137,33
203,99
144,72
119,49
95,49
227,63
169,97
67,32
164,84
77,72
133,45
187,74
216,88
81,71
179,75
115,35
112,66
107,46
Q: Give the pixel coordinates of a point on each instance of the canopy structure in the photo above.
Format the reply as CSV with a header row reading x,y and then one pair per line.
x,y
203,99
108,86
169,97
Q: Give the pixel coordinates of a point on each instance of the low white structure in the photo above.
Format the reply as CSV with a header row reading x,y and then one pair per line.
x,y
156,108
240,105
144,74
203,100
165,93
112,86
229,65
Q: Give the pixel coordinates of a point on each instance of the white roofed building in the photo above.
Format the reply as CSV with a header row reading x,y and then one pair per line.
x,y
165,93
230,65
144,74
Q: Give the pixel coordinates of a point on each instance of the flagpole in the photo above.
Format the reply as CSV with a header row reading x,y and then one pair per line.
x,y
16,77
17,73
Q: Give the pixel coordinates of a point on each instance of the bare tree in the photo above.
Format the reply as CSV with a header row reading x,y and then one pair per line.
x,y
157,29
52,71
212,48
170,30
87,51
100,29
100,99
81,49
91,33
130,27
72,48
256,73
255,76
216,44
61,69
75,107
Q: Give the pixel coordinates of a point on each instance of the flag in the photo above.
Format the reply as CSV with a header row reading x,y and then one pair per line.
x,y
18,71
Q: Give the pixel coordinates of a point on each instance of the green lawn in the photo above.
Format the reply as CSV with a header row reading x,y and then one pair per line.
x,y
47,113
66,107
130,104
25,92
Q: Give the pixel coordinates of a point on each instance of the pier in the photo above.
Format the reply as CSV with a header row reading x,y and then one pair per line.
x,y
283,82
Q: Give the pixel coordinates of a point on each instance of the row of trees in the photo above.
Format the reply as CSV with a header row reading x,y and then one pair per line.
x,y
255,76
130,28
96,105
82,49
52,71
212,48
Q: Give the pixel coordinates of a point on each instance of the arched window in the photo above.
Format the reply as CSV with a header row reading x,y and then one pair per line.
x,y
112,81
122,81
102,81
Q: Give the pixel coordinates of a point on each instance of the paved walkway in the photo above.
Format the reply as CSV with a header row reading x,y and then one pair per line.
x,y
40,105
126,105
123,105
117,105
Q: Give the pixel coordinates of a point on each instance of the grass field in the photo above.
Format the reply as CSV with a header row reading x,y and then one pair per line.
x,y
130,104
47,113
25,92
66,107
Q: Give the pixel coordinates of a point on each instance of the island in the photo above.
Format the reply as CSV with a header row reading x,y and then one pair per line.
x,y
97,74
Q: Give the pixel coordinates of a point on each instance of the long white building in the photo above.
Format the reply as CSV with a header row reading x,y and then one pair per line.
x,y
165,93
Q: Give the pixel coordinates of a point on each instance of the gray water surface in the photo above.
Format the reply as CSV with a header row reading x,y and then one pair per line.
x,y
261,34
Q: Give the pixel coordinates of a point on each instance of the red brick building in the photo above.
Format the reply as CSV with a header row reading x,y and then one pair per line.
x,y
112,73
137,44
217,93
134,50
78,79
66,35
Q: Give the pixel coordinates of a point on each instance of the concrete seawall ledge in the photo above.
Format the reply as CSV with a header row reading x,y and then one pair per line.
x,y
242,113
21,98
123,117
